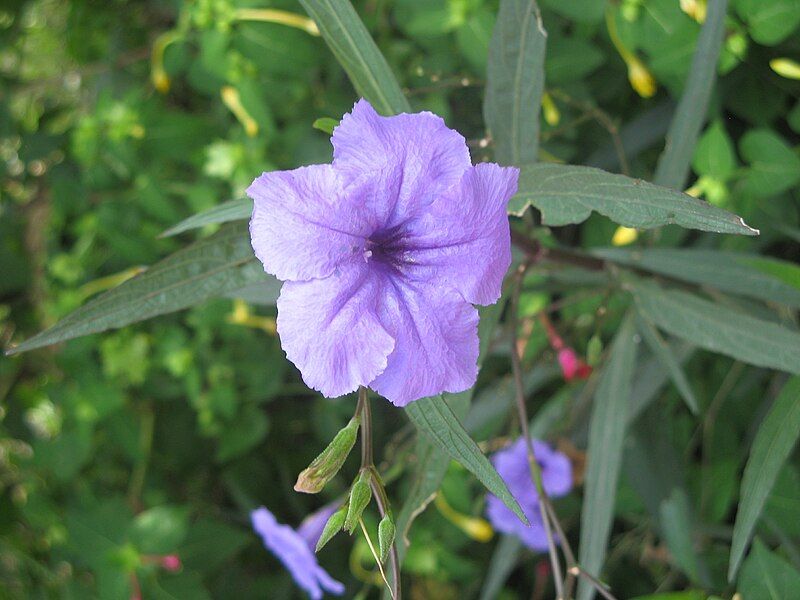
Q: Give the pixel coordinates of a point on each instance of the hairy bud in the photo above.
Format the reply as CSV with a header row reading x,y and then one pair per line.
x,y
323,468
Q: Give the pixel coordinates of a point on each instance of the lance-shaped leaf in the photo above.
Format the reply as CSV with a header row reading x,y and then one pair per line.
x,y
673,166
515,81
568,194
719,328
355,50
231,210
209,268
435,419
606,437
774,441
738,273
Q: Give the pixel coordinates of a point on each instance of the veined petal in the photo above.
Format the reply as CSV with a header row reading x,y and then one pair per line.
x,y
436,341
305,223
330,330
463,239
413,157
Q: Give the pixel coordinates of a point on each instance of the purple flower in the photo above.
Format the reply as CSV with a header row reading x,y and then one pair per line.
x,y
383,254
512,465
295,549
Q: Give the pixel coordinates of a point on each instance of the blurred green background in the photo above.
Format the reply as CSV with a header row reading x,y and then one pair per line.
x,y
119,118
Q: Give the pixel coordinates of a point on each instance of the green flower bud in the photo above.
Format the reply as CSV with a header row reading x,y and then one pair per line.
x,y
360,495
323,468
386,531
332,527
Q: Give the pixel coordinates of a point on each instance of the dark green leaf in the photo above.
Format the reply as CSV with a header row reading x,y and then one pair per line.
x,y
160,530
435,419
769,21
568,194
604,452
774,167
766,576
210,543
774,441
515,82
673,166
664,353
355,50
231,210
209,268
735,272
677,528
719,328
504,559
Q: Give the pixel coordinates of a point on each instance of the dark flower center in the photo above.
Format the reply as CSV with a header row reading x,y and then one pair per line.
x,y
387,247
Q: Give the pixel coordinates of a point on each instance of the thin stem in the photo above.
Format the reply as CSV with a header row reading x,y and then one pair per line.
x,y
378,492
374,554
596,583
536,472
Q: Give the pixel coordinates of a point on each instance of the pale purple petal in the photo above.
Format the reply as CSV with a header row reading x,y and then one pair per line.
x,y
512,465
413,157
329,328
296,556
305,222
311,527
463,239
436,341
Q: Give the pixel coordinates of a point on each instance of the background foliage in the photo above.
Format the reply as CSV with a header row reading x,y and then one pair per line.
x,y
118,119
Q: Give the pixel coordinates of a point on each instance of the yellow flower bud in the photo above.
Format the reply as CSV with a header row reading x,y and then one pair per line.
x,y
641,79
624,236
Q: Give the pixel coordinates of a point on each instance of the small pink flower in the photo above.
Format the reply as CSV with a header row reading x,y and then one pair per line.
x,y
572,366
171,563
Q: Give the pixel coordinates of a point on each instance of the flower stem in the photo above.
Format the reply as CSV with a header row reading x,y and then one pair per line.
x,y
364,410
536,472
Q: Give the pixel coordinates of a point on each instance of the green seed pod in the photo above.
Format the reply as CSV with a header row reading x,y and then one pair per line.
x,y
360,495
386,532
332,527
323,468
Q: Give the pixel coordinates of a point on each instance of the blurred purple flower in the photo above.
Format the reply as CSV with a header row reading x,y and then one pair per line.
x,y
295,549
512,465
383,254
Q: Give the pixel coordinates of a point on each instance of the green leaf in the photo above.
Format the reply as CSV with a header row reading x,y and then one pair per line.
x,y
247,431
769,21
774,167
568,194
570,59
740,273
231,210
209,268
211,543
773,444
673,165
355,50
515,82
664,353
719,328
604,452
504,559
433,417
677,528
160,530
687,595
714,155
766,576
325,125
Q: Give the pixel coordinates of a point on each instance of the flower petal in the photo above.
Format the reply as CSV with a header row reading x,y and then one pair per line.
x,y
436,341
416,157
305,222
330,330
463,240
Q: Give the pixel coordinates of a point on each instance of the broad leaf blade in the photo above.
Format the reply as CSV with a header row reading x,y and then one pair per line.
x,y
568,194
606,437
664,353
231,210
515,82
774,441
435,419
355,50
738,273
718,328
208,268
767,576
673,166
